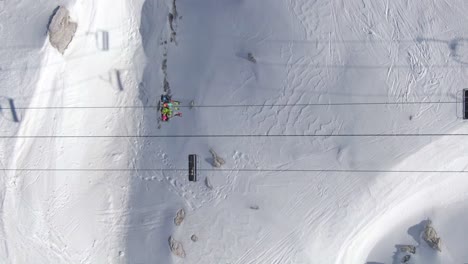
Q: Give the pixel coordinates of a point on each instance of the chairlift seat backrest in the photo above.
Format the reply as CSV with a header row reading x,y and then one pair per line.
x,y
192,159
465,103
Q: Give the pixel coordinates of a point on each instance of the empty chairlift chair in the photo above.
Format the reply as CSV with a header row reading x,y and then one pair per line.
x,y
192,162
465,103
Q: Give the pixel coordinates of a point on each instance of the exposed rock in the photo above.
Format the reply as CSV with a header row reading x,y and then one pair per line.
x,y
61,29
166,85
164,63
254,207
430,236
174,8
408,249
406,259
194,238
208,183
173,37
176,247
179,217
217,160
251,58
172,17
404,254
171,21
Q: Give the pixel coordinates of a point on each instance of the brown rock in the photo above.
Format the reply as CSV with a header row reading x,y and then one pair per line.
x,y
179,218
61,29
430,236
176,247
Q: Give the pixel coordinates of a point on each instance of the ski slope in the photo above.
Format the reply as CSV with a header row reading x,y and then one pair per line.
x,y
367,91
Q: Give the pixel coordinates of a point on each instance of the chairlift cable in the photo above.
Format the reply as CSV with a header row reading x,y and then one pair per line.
x,y
242,135
233,170
232,105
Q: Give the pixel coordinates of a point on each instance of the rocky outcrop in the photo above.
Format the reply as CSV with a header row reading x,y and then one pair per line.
x,y
179,217
176,247
254,207
406,259
430,236
408,249
61,29
251,58
208,183
217,160
404,254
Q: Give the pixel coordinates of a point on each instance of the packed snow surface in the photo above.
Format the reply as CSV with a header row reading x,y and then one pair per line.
x,y
76,189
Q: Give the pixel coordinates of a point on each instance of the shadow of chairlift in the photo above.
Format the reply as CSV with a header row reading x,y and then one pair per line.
x,y
14,115
12,108
102,40
114,78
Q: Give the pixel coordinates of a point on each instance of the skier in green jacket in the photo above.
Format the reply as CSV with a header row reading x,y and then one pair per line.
x,y
166,111
171,105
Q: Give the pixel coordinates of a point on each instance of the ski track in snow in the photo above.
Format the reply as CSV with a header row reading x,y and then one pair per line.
x,y
274,246
64,227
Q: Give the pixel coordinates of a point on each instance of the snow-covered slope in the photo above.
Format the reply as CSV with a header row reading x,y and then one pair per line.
x,y
306,52
66,216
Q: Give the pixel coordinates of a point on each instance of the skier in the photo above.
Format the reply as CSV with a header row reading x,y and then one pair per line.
x,y
171,106
165,98
168,105
166,111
